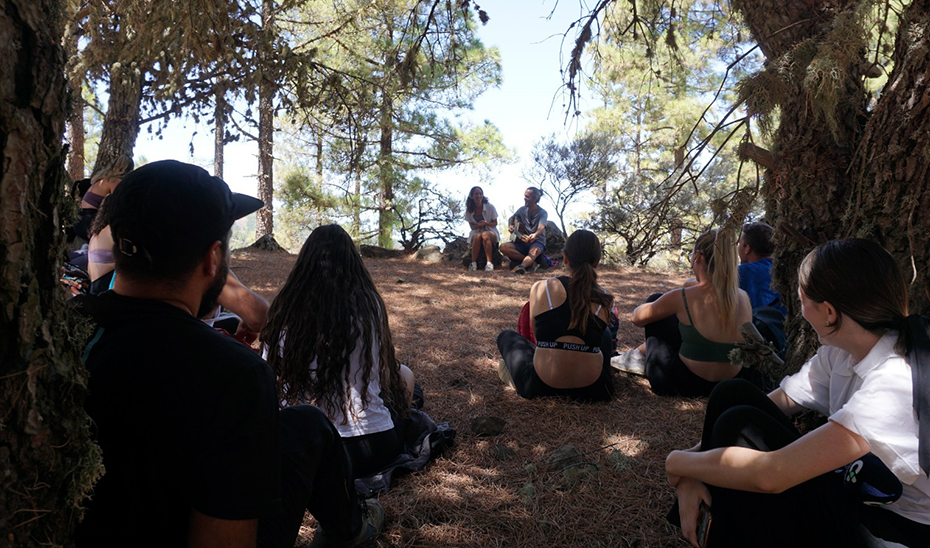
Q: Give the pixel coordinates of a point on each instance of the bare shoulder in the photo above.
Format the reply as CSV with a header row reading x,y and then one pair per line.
x,y
745,307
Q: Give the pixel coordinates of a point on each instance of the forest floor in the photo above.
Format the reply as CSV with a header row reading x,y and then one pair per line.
x,y
445,322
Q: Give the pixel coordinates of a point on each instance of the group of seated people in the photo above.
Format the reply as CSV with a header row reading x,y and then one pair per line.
x,y
527,225
862,479
220,447
198,433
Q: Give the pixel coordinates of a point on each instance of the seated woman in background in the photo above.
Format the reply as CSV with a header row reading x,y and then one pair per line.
x,y
690,331
333,344
100,264
860,479
102,184
482,219
573,343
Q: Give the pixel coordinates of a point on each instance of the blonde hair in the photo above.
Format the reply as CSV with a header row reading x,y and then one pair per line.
x,y
120,167
718,247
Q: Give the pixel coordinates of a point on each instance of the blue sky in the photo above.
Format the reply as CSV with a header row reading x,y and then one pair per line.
x,y
528,105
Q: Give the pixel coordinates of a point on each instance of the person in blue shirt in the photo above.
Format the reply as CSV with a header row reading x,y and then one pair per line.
x,y
755,250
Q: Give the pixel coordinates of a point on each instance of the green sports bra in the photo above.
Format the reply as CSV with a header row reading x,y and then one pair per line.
x,y
697,347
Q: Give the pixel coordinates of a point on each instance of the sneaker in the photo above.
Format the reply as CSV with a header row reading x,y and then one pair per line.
x,y
372,523
534,268
489,267
631,361
504,374
519,270
473,266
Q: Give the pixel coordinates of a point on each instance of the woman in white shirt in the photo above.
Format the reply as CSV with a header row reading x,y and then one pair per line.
x,y
335,349
481,217
859,480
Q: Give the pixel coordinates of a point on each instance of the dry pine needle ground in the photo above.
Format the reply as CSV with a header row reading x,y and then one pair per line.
x,y
445,322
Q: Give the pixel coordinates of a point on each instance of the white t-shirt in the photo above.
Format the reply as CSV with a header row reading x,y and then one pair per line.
x,y
873,398
489,213
369,420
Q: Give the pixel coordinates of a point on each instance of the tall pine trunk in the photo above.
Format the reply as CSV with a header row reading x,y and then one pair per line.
x,y
386,173
76,108
219,126
266,93
805,191
121,123
47,461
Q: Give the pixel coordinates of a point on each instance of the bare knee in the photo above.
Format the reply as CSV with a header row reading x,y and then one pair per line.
x,y
409,380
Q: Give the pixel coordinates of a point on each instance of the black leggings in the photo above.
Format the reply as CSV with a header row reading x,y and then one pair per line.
x,y
315,475
817,512
667,374
373,453
518,353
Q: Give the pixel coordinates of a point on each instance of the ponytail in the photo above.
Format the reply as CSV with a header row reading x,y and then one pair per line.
x,y
583,251
718,246
580,290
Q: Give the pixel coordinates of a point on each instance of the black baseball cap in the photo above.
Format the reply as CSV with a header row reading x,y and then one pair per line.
x,y
170,208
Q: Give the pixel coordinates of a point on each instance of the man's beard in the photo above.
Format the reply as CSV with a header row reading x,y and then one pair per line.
x,y
208,302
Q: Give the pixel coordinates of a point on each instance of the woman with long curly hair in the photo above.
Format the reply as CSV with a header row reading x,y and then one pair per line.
x,y
333,344
573,343
481,217
691,330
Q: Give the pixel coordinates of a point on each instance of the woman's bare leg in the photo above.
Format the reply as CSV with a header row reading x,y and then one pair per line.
x,y
489,240
476,246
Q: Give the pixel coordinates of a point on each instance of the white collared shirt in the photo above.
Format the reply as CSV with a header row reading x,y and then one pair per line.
x,y
874,399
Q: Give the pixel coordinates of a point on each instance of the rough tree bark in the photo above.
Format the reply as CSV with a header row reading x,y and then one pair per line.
x,y
809,180
76,108
386,173
266,93
47,461
121,123
219,134
889,199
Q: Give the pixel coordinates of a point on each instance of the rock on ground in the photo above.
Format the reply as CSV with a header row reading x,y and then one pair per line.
x,y
429,254
375,252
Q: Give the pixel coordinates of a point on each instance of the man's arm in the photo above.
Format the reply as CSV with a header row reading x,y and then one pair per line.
x,y
210,532
243,302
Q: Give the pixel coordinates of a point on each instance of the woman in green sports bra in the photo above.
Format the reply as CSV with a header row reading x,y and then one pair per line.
x,y
691,330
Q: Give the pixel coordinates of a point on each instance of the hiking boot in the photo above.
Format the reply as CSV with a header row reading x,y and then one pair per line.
x,y
372,523
519,270
631,361
489,267
473,266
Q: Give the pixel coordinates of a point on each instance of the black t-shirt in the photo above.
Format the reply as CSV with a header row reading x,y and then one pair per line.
x,y
186,417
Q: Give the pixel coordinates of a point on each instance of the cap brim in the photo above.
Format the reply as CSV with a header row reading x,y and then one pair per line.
x,y
244,205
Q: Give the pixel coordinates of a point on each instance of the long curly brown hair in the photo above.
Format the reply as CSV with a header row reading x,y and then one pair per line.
x,y
326,308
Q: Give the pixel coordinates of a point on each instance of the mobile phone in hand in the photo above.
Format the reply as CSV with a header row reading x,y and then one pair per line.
x,y
703,525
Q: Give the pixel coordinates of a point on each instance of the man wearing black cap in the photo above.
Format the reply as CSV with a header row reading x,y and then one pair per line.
x,y
195,449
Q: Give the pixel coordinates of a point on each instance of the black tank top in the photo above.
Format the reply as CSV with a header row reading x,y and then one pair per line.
x,y
553,323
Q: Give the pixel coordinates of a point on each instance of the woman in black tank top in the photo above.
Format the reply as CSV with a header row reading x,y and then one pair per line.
x,y
576,325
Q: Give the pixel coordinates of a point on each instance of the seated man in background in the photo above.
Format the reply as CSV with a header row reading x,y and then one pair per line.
x,y
195,449
528,225
755,250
